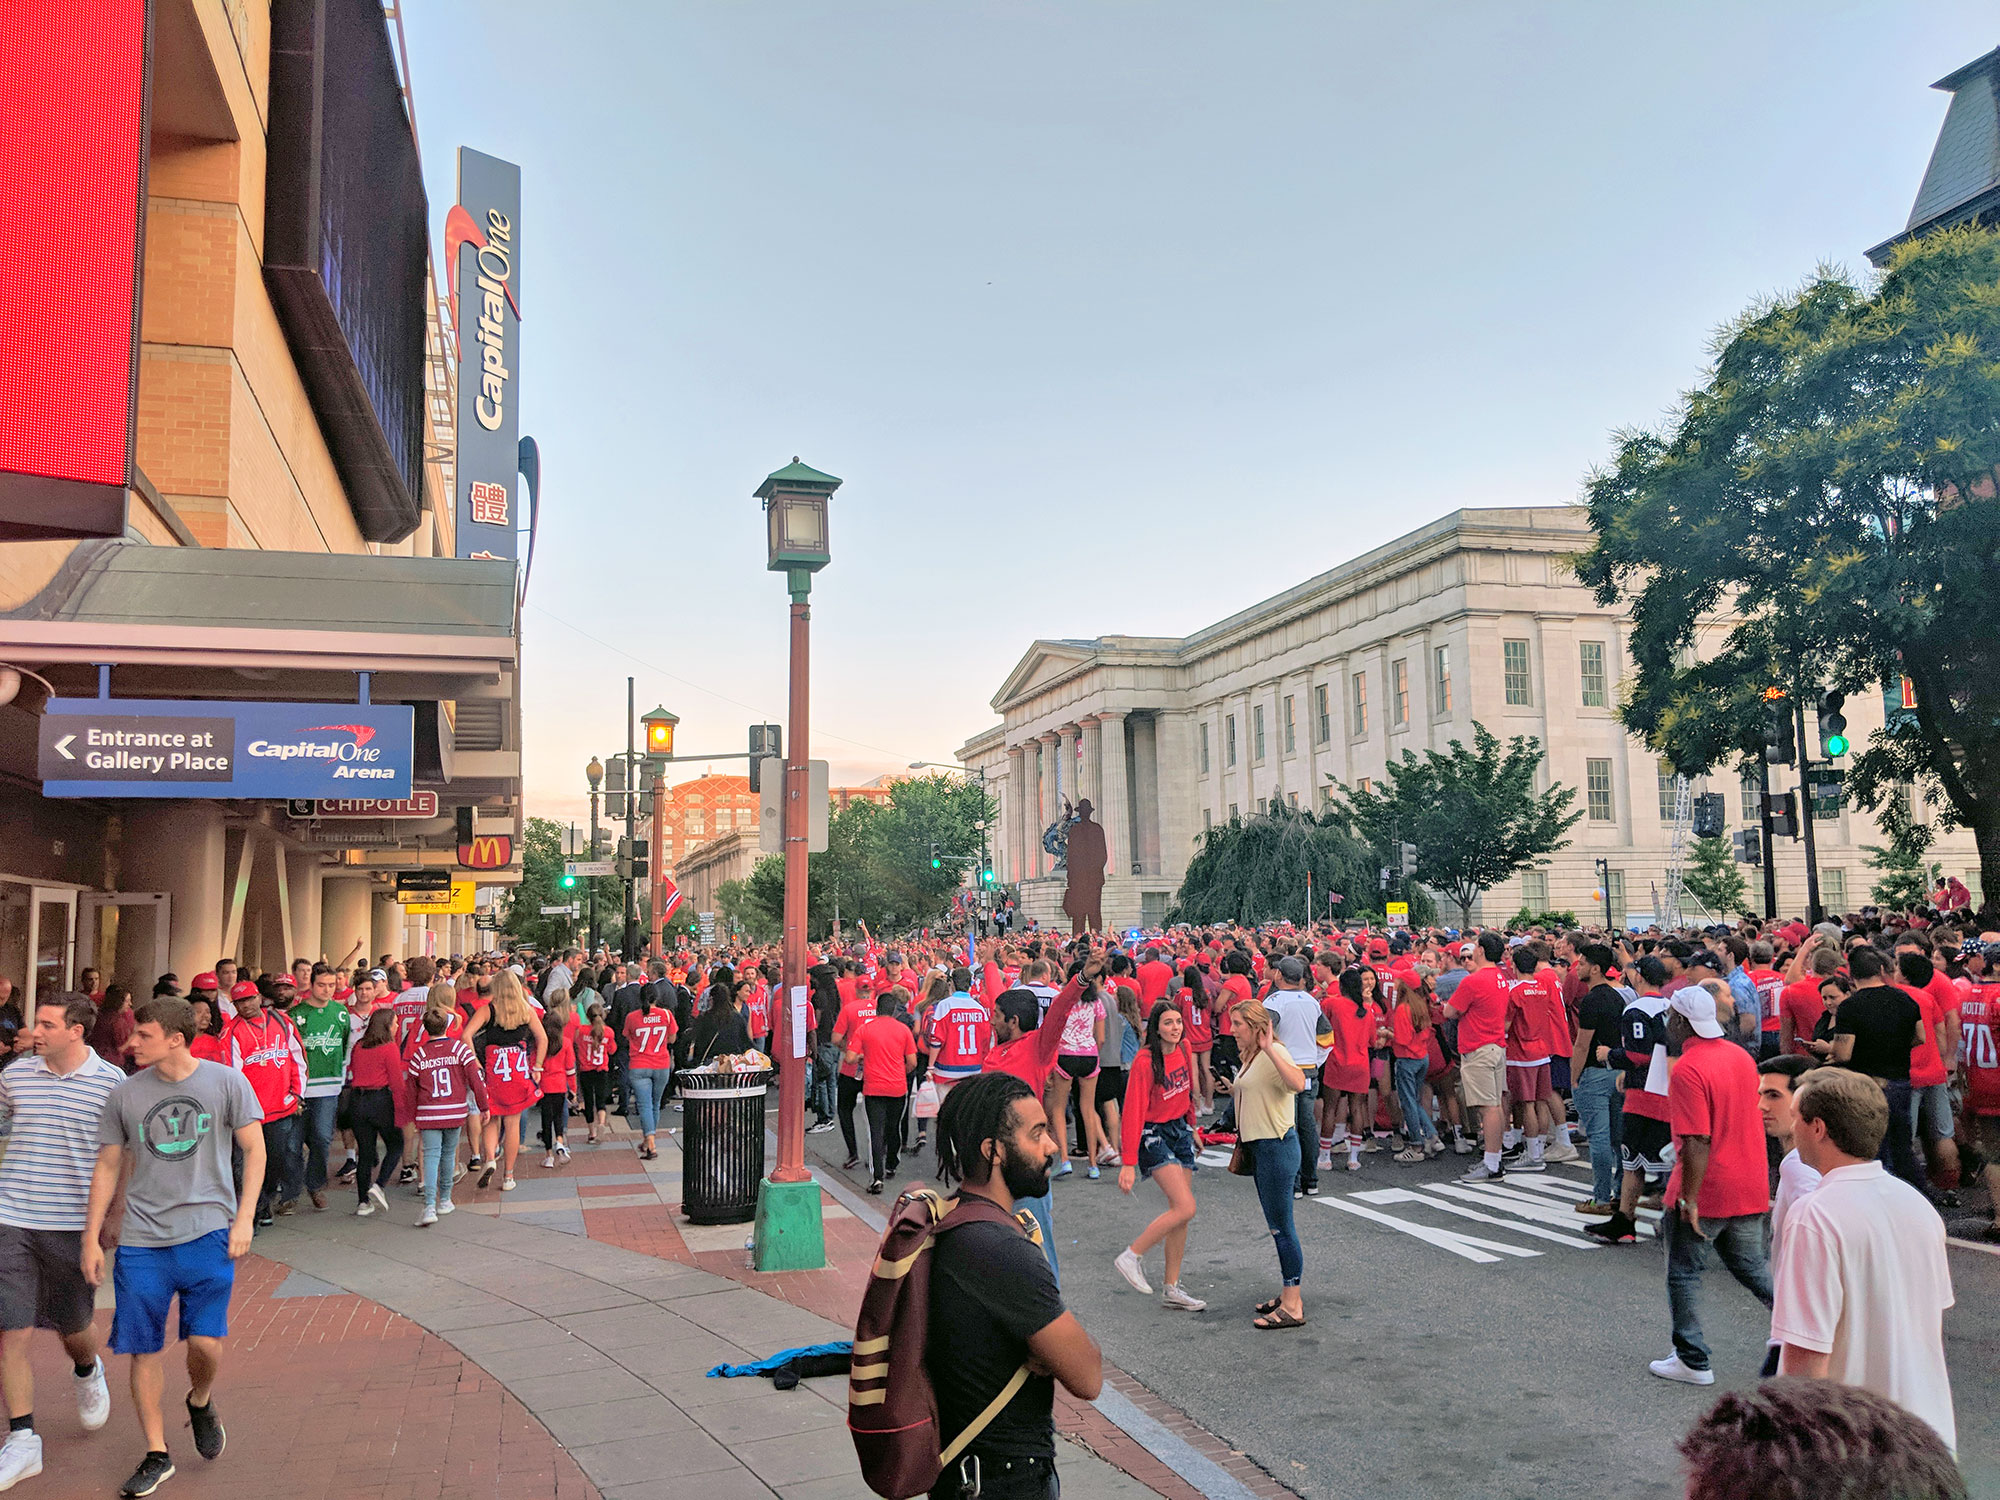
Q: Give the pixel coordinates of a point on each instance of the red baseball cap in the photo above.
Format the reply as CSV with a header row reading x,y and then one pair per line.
x,y
203,982
244,989
1378,948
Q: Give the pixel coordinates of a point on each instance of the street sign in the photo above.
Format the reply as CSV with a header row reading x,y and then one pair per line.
x,y
560,911
159,747
435,882
670,897
456,902
771,806
583,867
486,921
1396,914
486,851
421,804
1828,787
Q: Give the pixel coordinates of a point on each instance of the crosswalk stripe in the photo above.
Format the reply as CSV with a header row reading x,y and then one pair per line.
x,y
1527,1207
1467,1246
1406,1195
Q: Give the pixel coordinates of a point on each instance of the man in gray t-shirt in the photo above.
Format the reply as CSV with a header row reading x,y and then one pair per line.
x,y
184,1227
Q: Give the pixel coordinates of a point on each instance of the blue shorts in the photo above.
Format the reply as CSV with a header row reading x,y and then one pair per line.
x,y
1166,1143
146,1279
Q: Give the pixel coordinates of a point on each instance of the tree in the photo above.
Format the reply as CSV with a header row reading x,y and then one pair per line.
x,y
1474,815
541,885
1828,492
1907,876
1253,870
1714,880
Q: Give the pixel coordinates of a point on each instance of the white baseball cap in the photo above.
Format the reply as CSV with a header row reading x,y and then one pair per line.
x,y
1697,1006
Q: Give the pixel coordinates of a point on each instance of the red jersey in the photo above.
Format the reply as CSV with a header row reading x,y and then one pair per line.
x,y
1529,1037
960,1031
757,1011
847,1026
1927,1057
557,1067
1770,987
886,1047
1481,1002
448,1080
1151,1101
1153,979
409,1008
651,1033
1979,1045
268,1052
1409,1042
1803,1002
593,1050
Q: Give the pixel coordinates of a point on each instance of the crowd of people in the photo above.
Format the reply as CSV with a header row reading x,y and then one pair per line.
x,y
1851,1067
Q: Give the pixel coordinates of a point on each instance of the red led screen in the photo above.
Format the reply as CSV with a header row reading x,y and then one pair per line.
x,y
72,172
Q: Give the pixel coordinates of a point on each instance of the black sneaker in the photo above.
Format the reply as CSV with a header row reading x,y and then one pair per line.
x,y
208,1434
850,1164
347,1170
1616,1230
1514,1152
264,1219
875,1187
153,1471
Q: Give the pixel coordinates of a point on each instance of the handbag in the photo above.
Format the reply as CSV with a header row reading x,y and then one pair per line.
x,y
343,1108
924,1104
1240,1162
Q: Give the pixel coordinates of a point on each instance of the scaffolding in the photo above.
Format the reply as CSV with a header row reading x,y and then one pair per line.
x,y
1670,904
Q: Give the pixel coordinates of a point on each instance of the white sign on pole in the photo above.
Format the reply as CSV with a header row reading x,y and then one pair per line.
x,y
560,911
582,867
798,1020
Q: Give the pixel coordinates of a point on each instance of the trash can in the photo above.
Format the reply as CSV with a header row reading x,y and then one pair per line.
x,y
722,1144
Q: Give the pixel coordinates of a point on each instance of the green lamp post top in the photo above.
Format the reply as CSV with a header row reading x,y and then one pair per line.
x,y
797,476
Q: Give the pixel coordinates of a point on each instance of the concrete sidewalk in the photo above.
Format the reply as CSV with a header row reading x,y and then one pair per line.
x,y
607,1347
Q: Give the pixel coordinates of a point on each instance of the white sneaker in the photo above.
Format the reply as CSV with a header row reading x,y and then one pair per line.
x,y
1477,1173
1529,1164
379,1198
1133,1270
447,1207
1175,1297
508,1185
562,1152
364,1210
93,1399
21,1457
1560,1152
430,1217
549,1160
1462,1147
1671,1368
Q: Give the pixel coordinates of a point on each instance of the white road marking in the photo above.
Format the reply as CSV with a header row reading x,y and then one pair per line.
x,y
1406,1195
1463,1245
1527,1207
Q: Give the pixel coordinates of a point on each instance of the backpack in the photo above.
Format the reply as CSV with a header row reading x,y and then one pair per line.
x,y
891,1407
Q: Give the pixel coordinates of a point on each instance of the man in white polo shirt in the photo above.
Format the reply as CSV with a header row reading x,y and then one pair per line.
x,y
1862,1289
54,1100
1297,1019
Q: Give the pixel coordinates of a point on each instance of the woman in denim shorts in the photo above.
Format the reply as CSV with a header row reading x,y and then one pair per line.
x,y
1160,1144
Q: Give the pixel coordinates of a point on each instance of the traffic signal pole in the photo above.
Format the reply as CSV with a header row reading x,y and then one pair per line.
x,y
1814,913
1770,847
628,941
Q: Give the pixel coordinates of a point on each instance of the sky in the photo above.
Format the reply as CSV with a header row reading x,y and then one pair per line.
x,y
1114,318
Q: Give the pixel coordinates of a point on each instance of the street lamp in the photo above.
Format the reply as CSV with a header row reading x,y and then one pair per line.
x,y
789,1232
660,733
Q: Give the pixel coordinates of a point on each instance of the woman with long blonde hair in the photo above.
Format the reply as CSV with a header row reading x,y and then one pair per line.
x,y
1266,1087
508,1036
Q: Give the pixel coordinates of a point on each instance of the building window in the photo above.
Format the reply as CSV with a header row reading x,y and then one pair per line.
x,y
1834,888
695,821
1257,735
1597,790
1358,704
1514,661
1203,747
1614,899
1294,797
1363,784
1232,812
1207,822
1260,807
1400,697
1441,678
1669,790
1535,890
1323,714
1229,739
1291,726
1753,798
1596,691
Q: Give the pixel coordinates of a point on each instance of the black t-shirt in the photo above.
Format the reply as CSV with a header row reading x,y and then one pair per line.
x,y
1882,1019
1599,1013
991,1290
1642,1032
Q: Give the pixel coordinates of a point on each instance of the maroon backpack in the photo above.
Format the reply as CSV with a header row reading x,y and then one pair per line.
x,y
891,1408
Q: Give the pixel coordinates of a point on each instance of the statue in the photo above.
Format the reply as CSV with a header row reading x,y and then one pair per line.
x,y
1083,898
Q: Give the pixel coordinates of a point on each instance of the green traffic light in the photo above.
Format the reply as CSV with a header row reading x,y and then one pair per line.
x,y
1836,744
568,881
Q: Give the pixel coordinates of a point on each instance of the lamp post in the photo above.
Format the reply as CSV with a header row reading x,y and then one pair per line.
x,y
789,1232
595,773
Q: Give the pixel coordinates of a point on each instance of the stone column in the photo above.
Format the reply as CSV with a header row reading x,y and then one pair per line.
x,y
385,926
1090,774
344,917
1115,811
1016,819
1049,808
1066,777
179,849
1146,789
1177,797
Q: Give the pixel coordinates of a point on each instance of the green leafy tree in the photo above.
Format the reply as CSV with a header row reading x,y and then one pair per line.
x,y
1474,815
750,909
1715,880
1828,492
1907,875
1253,870
542,861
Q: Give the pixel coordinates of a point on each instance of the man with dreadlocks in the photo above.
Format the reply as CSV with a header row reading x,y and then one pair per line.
x,y
994,1304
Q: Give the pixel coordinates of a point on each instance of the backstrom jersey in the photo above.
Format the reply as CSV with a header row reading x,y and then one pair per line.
x,y
1980,1044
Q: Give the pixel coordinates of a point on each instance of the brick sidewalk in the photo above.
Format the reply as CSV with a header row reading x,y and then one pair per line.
x,y
656,1228
325,1396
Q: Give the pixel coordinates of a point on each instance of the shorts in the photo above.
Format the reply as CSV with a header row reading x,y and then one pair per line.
x,y
1559,1078
1077,1065
1110,1085
1931,1112
1646,1145
1529,1082
1166,1143
1482,1076
146,1280
1378,1071
1346,1078
41,1280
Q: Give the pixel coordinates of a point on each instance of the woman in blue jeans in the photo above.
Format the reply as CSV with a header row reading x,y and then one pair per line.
x,y
1410,1047
1267,1083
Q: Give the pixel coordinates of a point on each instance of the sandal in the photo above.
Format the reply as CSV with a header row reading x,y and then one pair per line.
x,y
1276,1319
1265,1309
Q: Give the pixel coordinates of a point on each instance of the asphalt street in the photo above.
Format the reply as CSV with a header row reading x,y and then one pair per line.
x,y
1461,1341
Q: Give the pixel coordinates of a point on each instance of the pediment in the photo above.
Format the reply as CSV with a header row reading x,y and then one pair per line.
x,y
1045,663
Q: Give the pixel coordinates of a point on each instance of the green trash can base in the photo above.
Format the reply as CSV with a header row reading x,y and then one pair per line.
x,y
789,1235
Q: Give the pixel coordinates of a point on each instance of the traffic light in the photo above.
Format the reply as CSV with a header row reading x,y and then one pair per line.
x,y
631,861
986,875
1781,741
936,862
765,739
568,881
614,787
1832,724
1409,858
1749,844
1784,810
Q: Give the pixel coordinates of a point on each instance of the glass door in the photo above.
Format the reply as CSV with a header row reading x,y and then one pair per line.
x,y
53,923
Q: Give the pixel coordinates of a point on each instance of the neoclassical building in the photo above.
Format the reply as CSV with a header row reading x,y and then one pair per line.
x,y
1475,616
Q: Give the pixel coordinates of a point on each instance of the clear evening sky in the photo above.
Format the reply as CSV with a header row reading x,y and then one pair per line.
x,y
1114,318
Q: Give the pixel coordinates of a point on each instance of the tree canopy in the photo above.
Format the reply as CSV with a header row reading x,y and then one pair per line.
x,y
1821,513
1713,878
1253,870
542,861
1474,815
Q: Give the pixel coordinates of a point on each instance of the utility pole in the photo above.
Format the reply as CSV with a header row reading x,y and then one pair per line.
x,y
1770,848
1815,914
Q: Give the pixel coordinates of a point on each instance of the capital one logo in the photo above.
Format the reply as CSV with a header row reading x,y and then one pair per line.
x,y
357,759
